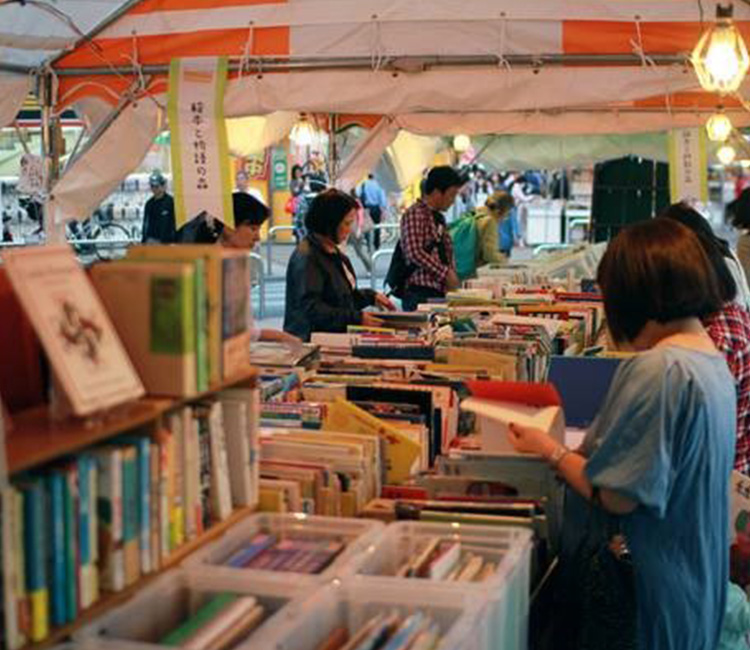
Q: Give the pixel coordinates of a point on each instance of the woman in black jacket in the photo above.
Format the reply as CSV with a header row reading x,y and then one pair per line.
x,y
321,288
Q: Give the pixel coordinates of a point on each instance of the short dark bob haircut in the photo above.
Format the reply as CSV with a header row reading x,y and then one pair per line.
x,y
655,270
738,211
327,211
248,211
715,248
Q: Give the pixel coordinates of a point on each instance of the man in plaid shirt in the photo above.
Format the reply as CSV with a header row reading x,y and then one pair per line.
x,y
426,242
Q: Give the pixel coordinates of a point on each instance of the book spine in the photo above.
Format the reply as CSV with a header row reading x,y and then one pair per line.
x,y
85,543
110,515
93,578
238,450
130,515
72,560
177,507
191,474
35,536
166,492
201,328
253,434
221,495
205,512
154,504
56,555
144,503
14,590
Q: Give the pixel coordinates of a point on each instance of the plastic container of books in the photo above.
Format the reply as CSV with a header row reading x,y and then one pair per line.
x,y
304,549
489,561
183,607
339,611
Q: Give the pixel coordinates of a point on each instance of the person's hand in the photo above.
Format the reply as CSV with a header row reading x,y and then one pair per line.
x,y
451,281
371,320
530,440
384,302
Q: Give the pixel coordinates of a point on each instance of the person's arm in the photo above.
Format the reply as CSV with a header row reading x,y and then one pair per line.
x,y
418,231
364,298
322,316
278,336
570,465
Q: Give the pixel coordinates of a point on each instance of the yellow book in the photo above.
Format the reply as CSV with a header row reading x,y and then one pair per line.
x,y
401,454
271,500
39,615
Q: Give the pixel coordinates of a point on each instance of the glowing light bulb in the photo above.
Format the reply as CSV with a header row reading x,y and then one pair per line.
x,y
720,58
718,127
726,154
303,133
461,143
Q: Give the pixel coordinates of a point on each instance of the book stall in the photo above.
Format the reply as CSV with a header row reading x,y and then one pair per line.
x,y
178,491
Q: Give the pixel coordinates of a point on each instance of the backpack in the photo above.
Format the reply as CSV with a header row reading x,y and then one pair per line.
x,y
463,232
399,272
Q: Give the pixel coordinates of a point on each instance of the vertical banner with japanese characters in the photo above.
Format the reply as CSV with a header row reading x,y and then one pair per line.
x,y
688,165
200,150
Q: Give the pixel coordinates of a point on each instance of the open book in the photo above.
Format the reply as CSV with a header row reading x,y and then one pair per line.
x,y
498,403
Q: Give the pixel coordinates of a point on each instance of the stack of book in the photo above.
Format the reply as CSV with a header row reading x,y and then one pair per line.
x,y
443,559
96,522
219,624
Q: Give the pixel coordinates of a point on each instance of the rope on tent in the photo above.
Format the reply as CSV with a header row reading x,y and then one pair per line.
x,y
638,49
248,49
502,61
141,87
377,56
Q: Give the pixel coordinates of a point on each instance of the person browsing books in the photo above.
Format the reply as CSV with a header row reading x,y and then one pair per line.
x,y
499,205
425,240
656,463
249,216
321,288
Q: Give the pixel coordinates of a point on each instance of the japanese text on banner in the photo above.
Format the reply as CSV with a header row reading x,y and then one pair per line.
x,y
688,166
199,147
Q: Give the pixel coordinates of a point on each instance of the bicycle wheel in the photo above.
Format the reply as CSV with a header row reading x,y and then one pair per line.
x,y
111,241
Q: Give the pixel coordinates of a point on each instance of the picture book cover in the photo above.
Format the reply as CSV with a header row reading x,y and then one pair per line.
x,y
76,332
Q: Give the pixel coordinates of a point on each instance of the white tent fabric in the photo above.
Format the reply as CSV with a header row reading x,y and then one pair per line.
x,y
252,135
366,154
452,91
411,154
92,177
14,89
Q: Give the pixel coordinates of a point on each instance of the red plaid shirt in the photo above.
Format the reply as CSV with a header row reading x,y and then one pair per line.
x,y
421,231
730,332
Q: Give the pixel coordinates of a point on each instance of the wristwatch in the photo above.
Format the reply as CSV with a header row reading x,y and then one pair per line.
x,y
561,451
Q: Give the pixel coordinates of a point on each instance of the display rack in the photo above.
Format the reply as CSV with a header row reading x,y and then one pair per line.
x,y
36,439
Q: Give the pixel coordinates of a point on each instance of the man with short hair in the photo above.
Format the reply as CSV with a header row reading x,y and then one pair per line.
x,y
373,198
158,216
426,242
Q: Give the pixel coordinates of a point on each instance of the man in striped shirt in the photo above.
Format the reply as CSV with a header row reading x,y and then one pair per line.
x,y
425,240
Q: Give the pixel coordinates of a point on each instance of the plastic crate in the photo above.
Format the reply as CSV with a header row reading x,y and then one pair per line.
x,y
160,607
358,534
507,591
349,604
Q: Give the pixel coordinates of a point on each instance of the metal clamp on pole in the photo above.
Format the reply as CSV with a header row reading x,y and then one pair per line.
x,y
258,264
270,236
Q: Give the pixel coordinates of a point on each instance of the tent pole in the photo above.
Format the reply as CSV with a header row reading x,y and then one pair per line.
x,y
54,232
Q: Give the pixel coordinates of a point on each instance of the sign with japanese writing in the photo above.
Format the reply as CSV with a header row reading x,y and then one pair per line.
x,y
200,151
280,170
688,165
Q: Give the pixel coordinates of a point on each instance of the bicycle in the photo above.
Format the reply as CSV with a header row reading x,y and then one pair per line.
x,y
98,236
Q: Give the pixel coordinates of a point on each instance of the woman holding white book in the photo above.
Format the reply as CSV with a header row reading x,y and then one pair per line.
x,y
658,458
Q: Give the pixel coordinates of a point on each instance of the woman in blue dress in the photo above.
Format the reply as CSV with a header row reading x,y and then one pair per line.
x,y
660,453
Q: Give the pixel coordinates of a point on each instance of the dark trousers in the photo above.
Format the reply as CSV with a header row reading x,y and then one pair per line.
x,y
376,214
416,295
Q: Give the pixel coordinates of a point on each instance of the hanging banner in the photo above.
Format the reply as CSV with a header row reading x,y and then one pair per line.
x,y
200,151
688,165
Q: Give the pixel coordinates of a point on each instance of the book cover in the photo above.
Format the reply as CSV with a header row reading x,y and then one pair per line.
x,y
401,454
175,424
236,423
203,615
500,403
109,508
191,475
251,398
228,619
35,543
83,347
153,308
211,256
165,477
155,505
235,326
221,494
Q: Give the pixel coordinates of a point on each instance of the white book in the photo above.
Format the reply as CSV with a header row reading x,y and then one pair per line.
x,y
446,563
109,509
251,398
236,422
191,475
221,494
12,559
495,416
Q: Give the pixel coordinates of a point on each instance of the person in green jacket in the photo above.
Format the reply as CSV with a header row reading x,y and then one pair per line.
x,y
498,205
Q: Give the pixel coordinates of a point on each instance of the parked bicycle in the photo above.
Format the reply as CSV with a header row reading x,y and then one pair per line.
x,y
99,236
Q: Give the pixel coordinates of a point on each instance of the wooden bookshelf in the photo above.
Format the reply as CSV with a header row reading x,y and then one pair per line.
x,y
108,601
36,438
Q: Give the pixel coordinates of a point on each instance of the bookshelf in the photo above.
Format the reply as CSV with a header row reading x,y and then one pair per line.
x,y
35,439
107,602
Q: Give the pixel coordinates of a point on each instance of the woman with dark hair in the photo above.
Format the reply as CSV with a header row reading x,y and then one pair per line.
x,y
738,213
694,220
321,288
656,462
729,329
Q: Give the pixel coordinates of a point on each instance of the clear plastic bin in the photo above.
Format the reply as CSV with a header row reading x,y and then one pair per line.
x,y
351,604
357,534
163,605
507,591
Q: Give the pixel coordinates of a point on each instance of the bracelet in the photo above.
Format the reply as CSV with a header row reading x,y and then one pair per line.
x,y
561,451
